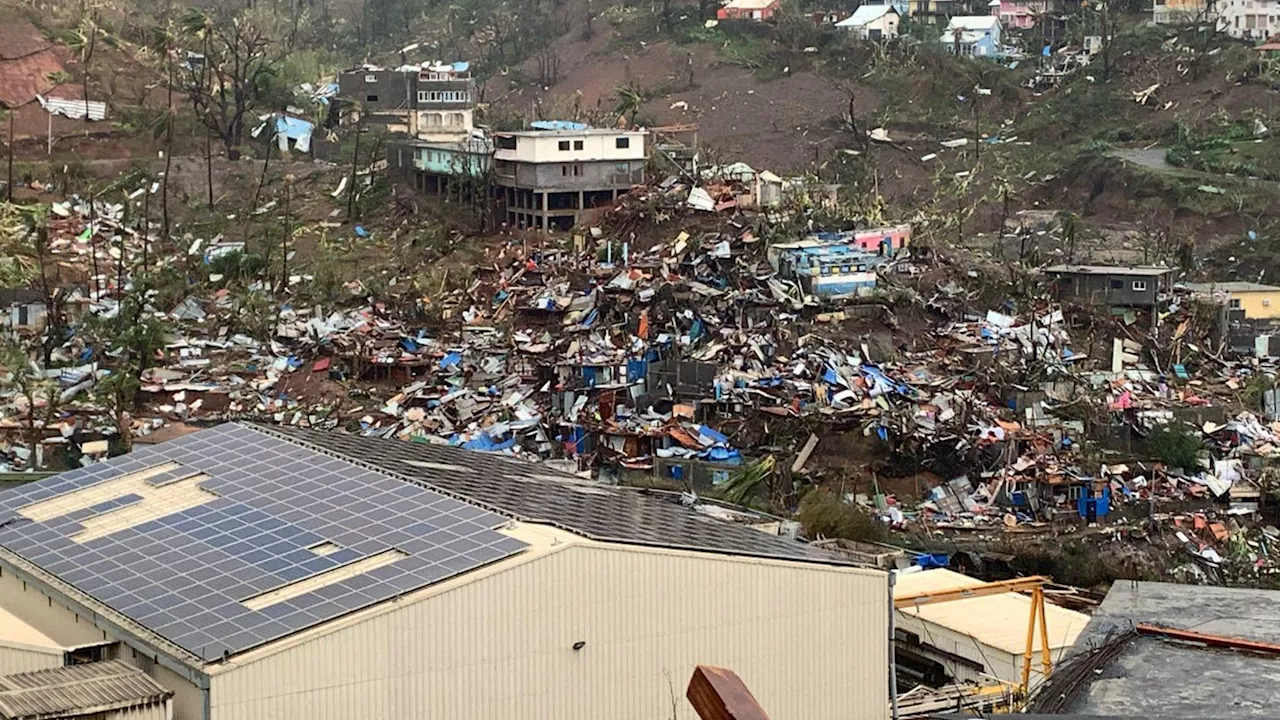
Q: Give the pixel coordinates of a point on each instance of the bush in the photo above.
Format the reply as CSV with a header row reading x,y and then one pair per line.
x,y
825,514
1175,445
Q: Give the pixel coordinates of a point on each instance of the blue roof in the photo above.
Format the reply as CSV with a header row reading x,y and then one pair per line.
x,y
276,513
558,125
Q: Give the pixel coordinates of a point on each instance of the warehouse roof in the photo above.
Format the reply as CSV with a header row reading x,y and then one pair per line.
x,y
232,537
77,690
536,493
998,621
229,538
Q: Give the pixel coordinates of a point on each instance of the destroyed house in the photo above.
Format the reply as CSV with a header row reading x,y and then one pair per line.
x,y
827,270
22,310
1111,286
294,574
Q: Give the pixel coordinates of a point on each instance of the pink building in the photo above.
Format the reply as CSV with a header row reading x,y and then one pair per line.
x,y
1016,14
883,241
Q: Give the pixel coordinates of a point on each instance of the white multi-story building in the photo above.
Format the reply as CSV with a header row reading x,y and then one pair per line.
x,y
1248,19
550,174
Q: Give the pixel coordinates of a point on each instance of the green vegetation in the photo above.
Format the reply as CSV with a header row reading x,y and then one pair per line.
x,y
1175,445
1229,147
824,514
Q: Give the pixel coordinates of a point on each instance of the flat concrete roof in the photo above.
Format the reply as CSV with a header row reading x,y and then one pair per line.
x,y
1108,270
1154,677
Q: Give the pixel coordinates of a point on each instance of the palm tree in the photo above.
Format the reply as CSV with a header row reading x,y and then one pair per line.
x,y
630,101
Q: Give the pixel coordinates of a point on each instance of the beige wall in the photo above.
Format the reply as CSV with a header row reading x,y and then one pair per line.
x,y
19,659
55,620
67,628
810,642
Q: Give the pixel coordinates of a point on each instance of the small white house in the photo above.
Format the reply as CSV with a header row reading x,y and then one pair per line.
x,y
873,22
972,35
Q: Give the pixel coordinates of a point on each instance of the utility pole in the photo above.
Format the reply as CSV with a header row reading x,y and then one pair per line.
x,y
11,141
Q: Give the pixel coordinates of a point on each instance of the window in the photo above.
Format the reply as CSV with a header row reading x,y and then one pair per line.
x,y
1117,284
564,146
1234,303
454,119
371,98
577,170
422,96
505,142
433,119
622,143
1139,285
371,78
577,144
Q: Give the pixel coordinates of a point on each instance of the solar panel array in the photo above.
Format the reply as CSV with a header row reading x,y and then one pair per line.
x,y
536,493
186,575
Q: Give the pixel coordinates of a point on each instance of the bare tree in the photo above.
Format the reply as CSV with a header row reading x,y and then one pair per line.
x,y
240,53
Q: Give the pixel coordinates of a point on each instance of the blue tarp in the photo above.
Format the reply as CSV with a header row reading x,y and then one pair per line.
x,y
293,128
932,560
637,369
724,455
484,443
450,360
716,437
558,125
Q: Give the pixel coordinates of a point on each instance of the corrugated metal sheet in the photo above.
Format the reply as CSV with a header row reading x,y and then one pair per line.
x,y
809,640
94,687
74,109
998,621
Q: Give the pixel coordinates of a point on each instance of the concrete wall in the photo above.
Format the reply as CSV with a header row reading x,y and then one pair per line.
x,y
389,90
810,641
545,147
1097,289
571,176
1258,305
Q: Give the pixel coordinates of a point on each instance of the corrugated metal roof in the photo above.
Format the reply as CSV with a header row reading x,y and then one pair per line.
x,y
998,621
94,687
74,109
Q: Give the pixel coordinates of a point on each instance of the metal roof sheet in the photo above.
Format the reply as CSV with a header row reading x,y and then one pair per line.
x,y
998,621
77,690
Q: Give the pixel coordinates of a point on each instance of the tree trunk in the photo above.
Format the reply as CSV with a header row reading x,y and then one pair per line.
x,y
355,159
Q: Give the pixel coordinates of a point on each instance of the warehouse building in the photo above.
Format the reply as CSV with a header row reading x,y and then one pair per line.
x,y
980,638
273,573
109,690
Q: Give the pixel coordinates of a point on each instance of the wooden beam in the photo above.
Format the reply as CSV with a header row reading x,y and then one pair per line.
x,y
1223,641
975,591
719,694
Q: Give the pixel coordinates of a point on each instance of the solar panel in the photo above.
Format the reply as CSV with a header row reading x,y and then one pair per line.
x,y
186,573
